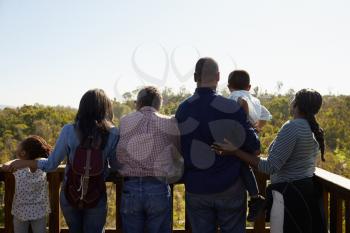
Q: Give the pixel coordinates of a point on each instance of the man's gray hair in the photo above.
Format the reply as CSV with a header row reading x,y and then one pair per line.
x,y
149,96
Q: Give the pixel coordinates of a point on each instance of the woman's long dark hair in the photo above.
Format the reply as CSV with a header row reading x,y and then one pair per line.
x,y
309,103
94,118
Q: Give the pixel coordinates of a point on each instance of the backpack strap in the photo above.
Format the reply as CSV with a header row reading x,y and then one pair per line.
x,y
84,180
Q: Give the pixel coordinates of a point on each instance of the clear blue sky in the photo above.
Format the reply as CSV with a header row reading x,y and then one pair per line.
x,y
51,52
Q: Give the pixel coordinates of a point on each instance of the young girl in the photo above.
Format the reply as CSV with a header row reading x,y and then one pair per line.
x,y
31,202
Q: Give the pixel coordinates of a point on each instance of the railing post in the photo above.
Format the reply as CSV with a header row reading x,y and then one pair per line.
x,y
187,221
54,190
9,192
335,214
347,216
259,225
326,205
172,205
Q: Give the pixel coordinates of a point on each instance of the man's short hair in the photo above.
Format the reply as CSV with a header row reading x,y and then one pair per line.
x,y
239,80
149,96
206,69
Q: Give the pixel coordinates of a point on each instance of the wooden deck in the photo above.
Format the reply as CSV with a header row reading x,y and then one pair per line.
x,y
336,198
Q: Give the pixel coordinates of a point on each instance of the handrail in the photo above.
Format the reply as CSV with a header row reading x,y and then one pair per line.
x,y
334,182
336,198
55,178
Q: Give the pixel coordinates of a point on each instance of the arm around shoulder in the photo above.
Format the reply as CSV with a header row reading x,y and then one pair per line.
x,y
21,163
60,151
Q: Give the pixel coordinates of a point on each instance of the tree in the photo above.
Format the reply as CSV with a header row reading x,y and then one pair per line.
x,y
279,86
127,96
256,91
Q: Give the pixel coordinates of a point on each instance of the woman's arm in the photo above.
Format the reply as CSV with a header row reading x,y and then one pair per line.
x,y
4,168
228,148
280,152
112,153
21,163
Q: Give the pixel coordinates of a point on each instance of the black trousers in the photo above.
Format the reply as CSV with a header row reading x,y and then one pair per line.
x,y
303,206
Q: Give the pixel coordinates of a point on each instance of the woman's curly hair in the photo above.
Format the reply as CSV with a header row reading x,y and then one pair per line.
x,y
36,147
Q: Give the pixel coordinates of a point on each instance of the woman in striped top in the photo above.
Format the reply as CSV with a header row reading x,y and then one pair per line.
x,y
291,164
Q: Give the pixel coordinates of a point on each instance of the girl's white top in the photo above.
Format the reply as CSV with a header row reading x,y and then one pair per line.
x,y
256,110
31,199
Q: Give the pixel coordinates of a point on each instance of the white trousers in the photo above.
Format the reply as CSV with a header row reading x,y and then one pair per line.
x,y
277,212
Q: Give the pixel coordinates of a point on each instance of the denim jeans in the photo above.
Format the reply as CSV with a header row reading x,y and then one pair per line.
x,y
146,207
207,213
87,220
249,180
38,225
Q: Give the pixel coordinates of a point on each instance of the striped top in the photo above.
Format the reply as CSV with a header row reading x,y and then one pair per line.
x,y
292,155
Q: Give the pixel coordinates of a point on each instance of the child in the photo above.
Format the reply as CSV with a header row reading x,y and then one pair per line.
x,y
239,86
31,202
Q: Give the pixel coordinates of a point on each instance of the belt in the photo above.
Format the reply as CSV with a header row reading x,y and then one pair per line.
x,y
146,178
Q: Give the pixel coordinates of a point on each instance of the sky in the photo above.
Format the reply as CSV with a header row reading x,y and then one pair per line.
x,y
52,52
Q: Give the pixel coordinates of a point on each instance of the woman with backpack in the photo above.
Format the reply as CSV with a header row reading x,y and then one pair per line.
x,y
297,205
89,145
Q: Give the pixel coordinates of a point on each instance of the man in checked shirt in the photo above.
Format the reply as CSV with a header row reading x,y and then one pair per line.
x,y
147,152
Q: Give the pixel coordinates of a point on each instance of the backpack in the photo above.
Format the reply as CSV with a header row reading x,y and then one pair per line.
x,y
85,184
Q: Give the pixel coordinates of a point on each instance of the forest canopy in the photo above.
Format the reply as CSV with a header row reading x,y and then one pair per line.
x,y
46,121
17,123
